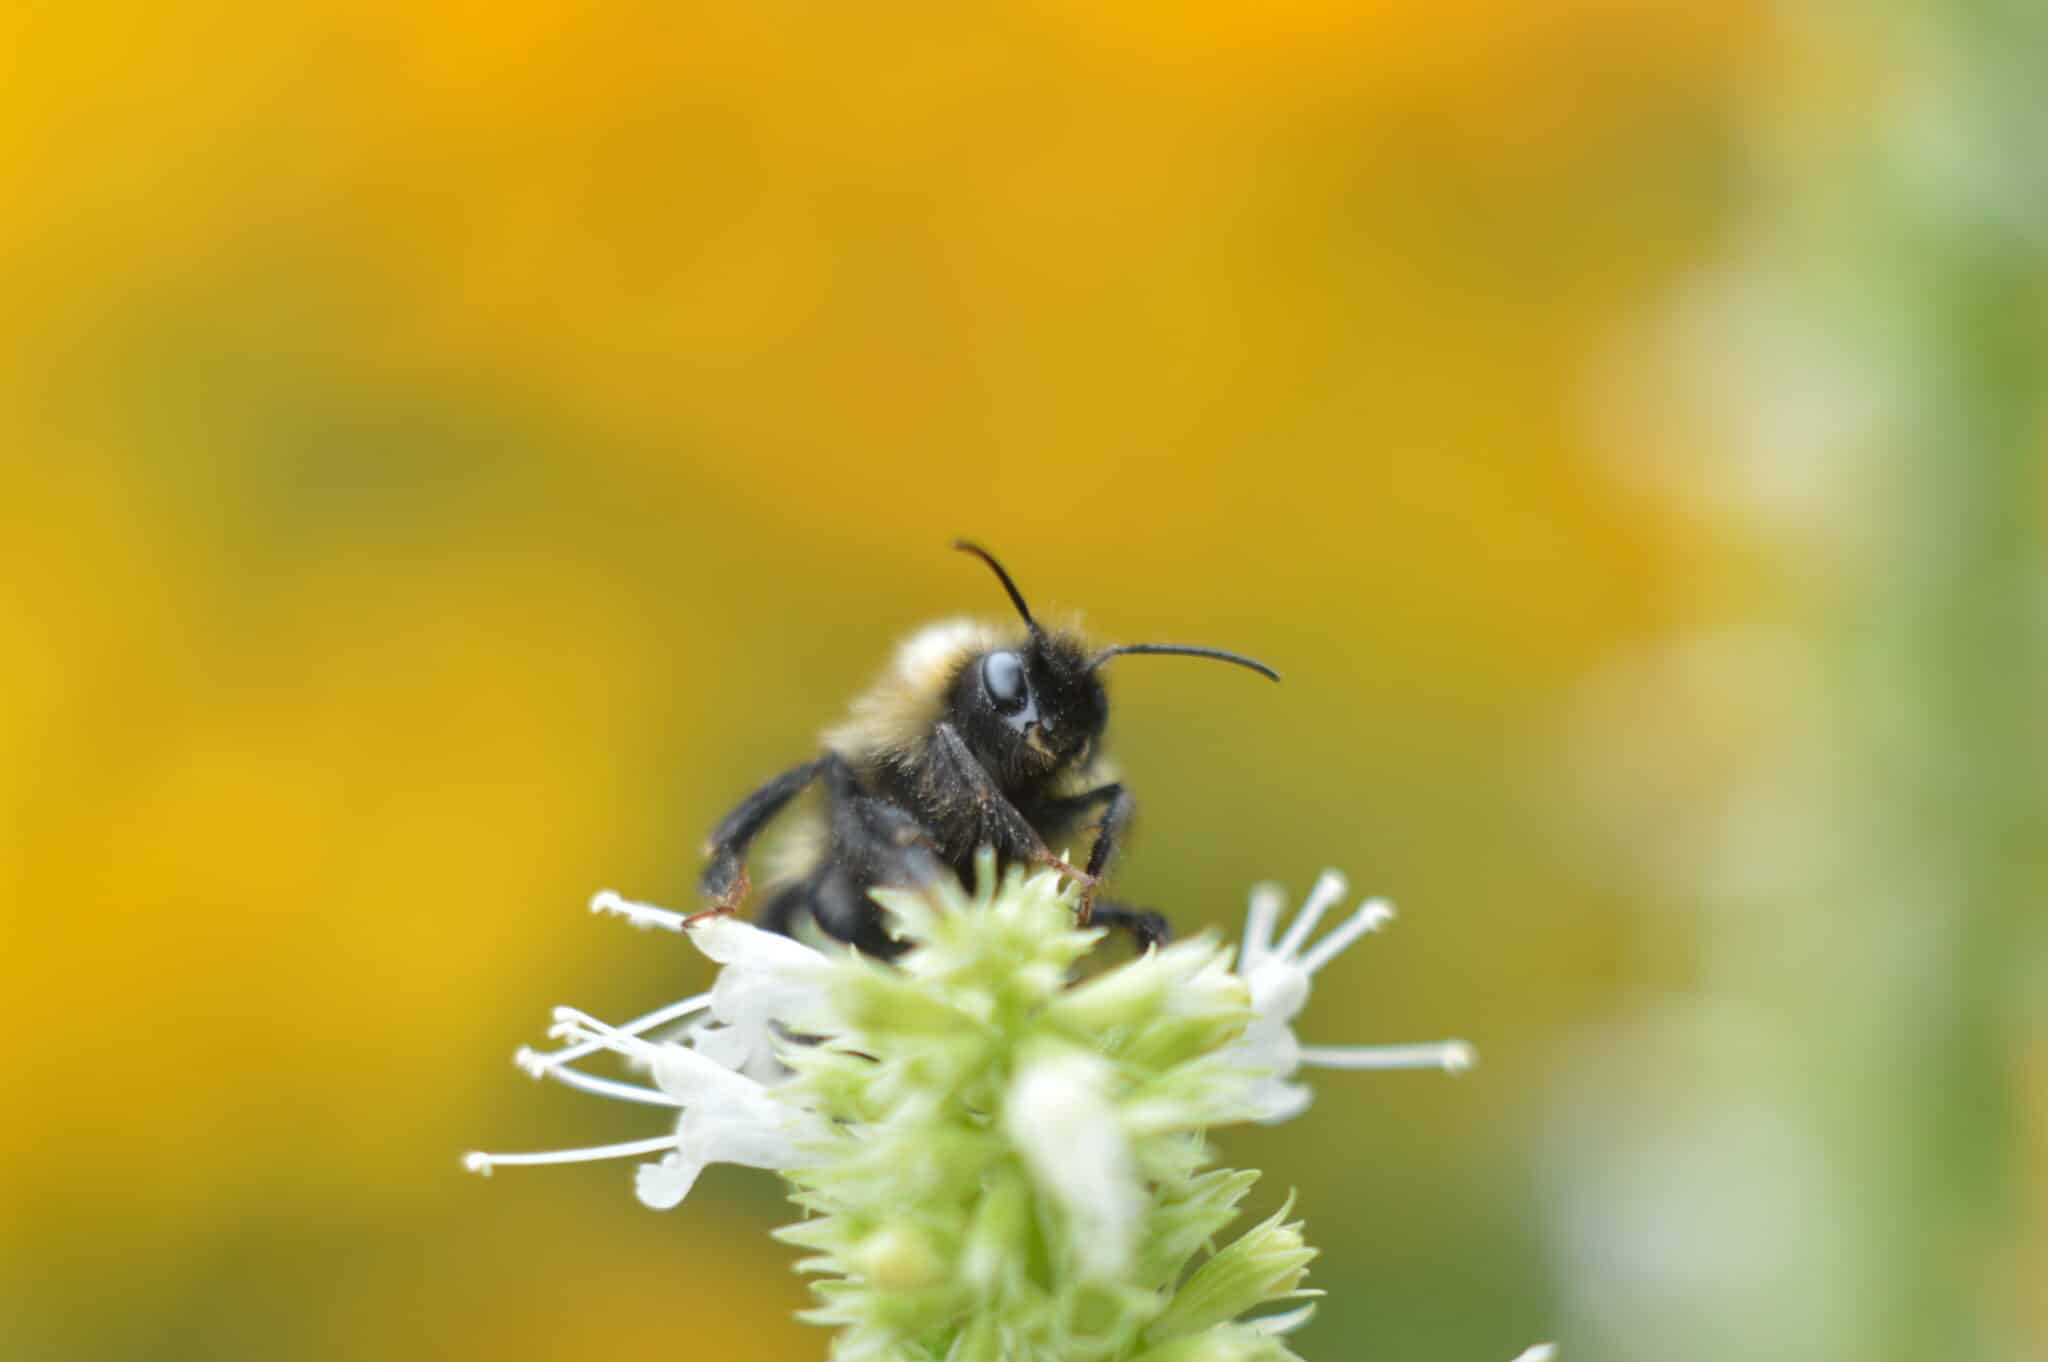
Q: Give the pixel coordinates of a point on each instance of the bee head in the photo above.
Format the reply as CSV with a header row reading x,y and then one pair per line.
x,y
1029,709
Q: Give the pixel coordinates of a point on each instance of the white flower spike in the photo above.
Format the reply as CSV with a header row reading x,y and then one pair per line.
x,y
986,1151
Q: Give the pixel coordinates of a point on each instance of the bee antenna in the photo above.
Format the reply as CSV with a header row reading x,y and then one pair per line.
x,y
1016,596
1184,650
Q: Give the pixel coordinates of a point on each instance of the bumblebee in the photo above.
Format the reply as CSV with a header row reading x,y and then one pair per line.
x,y
975,736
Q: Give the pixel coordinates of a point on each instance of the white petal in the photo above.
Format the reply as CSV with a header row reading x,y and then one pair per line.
x,y
748,997
763,1065
729,1046
662,1186
1279,989
728,1117
1275,1102
730,941
1268,1046
696,1079
1060,1114
751,1137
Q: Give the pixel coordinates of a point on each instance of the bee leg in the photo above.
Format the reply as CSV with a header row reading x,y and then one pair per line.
x,y
953,779
1116,816
724,880
1088,883
727,903
875,838
1111,825
876,842
1147,928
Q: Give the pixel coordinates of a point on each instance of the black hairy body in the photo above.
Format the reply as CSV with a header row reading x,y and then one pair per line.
x,y
974,738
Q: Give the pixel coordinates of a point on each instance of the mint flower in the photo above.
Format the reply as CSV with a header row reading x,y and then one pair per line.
x,y
994,1161
766,980
1278,976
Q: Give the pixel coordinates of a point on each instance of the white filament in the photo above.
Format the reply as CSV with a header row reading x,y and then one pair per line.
x,y
606,1087
538,1062
1329,887
476,1161
639,914
1452,1056
1259,922
1372,915
584,1029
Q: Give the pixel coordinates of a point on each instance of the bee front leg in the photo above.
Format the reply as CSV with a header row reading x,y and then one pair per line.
x,y
982,814
1117,808
1079,876
1115,818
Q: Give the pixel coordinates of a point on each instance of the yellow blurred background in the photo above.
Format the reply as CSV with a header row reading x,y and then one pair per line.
x,y
454,451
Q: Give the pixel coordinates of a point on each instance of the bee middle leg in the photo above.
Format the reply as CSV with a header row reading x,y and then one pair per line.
x,y
724,880
875,842
1117,806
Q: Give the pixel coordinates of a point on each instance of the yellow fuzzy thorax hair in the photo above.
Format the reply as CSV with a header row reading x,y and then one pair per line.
x,y
893,715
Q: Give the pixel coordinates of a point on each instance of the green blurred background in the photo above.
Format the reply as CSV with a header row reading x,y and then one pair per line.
x,y
453,451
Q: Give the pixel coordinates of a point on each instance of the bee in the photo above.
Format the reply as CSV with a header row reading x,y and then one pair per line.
x,y
976,736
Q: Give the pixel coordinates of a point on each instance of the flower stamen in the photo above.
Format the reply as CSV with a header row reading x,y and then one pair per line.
x,y
639,914
1372,915
1452,1056
584,1029
538,1062
1329,887
609,1087
482,1164
1262,916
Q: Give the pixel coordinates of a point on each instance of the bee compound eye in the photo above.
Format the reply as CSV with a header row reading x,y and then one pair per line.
x,y
1002,675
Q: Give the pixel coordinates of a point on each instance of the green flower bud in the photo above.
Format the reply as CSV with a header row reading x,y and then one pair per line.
x,y
874,998
1265,1263
999,1243
1126,997
899,1257
1229,1344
